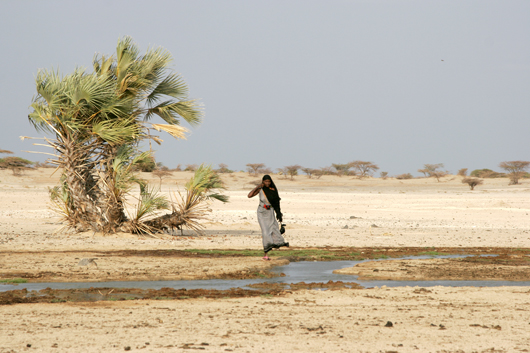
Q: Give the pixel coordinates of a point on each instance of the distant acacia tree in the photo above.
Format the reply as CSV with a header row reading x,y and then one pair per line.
x,y
432,170
384,175
255,168
161,174
363,168
342,169
472,182
292,170
5,151
515,169
462,172
309,172
16,164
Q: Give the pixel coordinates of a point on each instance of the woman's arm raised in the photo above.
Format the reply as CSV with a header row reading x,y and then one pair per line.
x,y
255,191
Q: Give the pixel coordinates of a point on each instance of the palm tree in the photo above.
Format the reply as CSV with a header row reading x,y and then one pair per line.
x,y
97,121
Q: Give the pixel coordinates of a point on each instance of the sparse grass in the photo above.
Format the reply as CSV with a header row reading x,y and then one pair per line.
x,y
13,280
300,255
267,296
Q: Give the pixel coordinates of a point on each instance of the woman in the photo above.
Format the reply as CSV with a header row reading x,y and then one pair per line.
x,y
269,203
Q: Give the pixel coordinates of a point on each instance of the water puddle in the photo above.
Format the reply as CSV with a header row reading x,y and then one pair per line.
x,y
295,272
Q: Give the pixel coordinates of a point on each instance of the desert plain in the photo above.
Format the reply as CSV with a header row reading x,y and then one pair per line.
x,y
341,215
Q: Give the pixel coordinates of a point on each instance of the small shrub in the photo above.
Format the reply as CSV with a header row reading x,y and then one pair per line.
x,y
404,176
191,167
223,168
384,175
462,172
472,182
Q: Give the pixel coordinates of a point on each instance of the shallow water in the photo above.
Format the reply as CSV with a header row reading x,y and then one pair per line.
x,y
295,272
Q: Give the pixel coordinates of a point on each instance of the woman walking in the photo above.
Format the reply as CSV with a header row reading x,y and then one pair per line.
x,y
269,204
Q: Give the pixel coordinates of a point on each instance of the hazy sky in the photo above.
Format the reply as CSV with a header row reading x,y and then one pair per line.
x,y
398,83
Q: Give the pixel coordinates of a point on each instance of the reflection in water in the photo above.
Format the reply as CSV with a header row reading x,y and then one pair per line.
x,y
295,272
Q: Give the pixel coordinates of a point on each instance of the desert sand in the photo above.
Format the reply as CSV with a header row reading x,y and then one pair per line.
x,y
329,212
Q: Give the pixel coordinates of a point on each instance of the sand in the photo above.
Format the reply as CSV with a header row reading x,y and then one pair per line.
x,y
326,212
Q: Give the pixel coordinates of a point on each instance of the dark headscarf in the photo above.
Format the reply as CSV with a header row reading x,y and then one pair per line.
x,y
273,196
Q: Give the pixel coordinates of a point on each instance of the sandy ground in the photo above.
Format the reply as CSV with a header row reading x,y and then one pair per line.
x,y
438,319
509,268
330,211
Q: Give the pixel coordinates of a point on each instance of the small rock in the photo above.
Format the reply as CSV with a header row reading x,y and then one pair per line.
x,y
128,348
345,227
374,226
28,345
88,261
353,217
389,324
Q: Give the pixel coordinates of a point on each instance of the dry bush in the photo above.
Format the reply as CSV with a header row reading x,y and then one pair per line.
x,y
516,170
191,167
363,168
404,176
384,175
462,172
223,168
178,168
255,168
472,182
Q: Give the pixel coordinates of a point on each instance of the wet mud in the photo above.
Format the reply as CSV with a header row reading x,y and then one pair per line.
x,y
157,265
49,295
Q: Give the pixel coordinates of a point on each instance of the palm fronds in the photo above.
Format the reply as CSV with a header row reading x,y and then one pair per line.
x,y
95,119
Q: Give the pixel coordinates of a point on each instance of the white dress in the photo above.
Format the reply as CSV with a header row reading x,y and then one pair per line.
x,y
270,231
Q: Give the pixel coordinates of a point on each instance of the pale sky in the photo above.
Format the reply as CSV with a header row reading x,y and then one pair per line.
x,y
398,83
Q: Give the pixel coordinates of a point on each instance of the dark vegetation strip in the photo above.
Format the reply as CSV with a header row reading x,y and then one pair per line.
x,y
301,254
